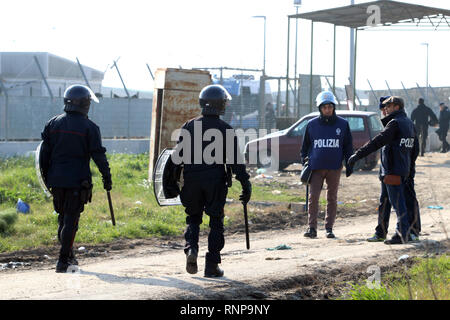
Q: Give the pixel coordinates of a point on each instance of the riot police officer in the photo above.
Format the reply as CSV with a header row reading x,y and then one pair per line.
x,y
397,141
70,140
205,182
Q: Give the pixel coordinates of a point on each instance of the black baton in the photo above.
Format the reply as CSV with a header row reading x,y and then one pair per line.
x,y
247,238
111,210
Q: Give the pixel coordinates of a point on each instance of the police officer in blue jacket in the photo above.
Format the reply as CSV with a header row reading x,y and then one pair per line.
x,y
327,142
397,142
412,205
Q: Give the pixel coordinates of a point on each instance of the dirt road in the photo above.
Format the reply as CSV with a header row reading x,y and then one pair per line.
x,y
321,265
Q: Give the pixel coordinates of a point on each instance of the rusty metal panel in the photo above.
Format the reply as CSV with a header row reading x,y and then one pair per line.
x,y
175,101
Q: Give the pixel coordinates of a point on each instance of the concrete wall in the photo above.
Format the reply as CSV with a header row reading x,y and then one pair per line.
x,y
23,118
26,148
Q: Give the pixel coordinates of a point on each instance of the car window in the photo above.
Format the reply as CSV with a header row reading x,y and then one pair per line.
x,y
375,123
300,129
356,123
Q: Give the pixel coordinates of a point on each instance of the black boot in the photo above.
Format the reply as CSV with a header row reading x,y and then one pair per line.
x,y
191,261
62,265
72,260
330,233
310,233
212,270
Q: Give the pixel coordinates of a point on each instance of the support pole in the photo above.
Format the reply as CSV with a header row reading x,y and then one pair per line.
x,y
334,60
83,74
390,91
354,69
295,68
150,70
373,92
311,69
287,67
43,77
6,109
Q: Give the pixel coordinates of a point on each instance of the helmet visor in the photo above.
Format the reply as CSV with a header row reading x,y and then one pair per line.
x,y
93,96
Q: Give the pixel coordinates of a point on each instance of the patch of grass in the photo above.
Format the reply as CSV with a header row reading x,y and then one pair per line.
x,y
427,279
136,210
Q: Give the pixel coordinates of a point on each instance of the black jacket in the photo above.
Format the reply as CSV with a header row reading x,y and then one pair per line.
x,y
70,140
399,143
197,168
444,119
423,116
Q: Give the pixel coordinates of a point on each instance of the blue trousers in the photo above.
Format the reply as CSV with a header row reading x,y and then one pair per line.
x,y
412,207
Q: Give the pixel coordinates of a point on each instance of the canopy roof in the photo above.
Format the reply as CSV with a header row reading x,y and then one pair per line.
x,y
392,14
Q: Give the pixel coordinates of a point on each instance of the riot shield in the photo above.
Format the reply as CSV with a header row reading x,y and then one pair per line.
x,y
40,176
158,180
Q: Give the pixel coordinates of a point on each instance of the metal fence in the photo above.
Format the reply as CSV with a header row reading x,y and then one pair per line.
x,y
23,118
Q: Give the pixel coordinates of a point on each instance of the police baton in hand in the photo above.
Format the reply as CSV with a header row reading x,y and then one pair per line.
x,y
111,210
247,237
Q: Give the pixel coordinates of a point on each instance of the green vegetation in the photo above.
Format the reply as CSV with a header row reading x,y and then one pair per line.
x,y
136,211
427,279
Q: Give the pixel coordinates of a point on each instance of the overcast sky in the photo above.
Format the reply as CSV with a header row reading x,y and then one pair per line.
x,y
202,33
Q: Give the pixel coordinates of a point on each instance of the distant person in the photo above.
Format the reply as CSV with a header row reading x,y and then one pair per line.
x,y
327,143
70,140
396,142
444,119
422,117
270,117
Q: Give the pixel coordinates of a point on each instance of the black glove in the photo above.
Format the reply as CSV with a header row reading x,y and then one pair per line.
x,y
304,160
107,184
350,164
348,171
246,191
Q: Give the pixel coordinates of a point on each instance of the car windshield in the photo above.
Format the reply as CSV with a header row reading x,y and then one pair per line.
x,y
375,123
300,129
356,123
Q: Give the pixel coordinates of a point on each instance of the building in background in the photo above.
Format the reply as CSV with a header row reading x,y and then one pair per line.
x,y
20,74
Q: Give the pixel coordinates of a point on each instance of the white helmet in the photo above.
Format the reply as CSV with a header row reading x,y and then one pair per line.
x,y
325,97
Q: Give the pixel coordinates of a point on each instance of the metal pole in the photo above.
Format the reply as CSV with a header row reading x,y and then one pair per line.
x,y
128,95
334,92
427,70
279,98
287,67
43,77
120,76
421,91
296,60
6,109
354,70
83,74
387,84
373,92
407,96
434,95
334,61
150,70
311,68
264,65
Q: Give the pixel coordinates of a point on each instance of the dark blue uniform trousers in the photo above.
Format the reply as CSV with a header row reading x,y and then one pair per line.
x,y
208,196
412,207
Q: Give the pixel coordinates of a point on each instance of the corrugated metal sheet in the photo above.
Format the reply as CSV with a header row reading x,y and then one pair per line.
x,y
175,101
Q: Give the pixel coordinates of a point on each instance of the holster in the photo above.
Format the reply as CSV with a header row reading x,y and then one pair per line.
x,y
392,180
86,192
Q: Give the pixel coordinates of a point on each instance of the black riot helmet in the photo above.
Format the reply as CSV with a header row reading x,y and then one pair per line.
x,y
213,100
77,98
